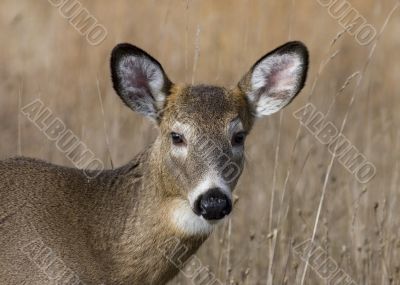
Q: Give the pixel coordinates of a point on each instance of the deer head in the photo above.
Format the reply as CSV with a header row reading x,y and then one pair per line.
x,y
202,129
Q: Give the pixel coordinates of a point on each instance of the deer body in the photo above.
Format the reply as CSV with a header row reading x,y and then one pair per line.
x,y
57,226
91,225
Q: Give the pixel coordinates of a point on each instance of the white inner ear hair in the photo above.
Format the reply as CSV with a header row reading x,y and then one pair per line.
x,y
279,76
138,72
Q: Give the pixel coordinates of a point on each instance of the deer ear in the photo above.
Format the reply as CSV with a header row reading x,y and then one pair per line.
x,y
276,78
139,80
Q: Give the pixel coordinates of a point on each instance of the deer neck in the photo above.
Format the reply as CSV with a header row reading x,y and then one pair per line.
x,y
132,227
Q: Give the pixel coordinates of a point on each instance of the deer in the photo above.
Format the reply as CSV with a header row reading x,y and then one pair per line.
x,y
59,226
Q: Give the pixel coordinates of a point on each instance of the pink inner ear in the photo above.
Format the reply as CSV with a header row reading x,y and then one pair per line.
x,y
133,75
277,74
282,75
274,82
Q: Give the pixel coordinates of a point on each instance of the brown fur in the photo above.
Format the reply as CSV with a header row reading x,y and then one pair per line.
x,y
93,225
57,225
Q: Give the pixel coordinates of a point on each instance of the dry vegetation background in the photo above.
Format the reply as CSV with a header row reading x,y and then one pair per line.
x,y
43,56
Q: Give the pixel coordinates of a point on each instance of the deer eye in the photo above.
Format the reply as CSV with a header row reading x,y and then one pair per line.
x,y
177,139
238,139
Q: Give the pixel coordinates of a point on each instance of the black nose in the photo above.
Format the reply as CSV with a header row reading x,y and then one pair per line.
x,y
213,205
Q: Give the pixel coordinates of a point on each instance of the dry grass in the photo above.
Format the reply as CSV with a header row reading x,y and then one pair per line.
x,y
285,181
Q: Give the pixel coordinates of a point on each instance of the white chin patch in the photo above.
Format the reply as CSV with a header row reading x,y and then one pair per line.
x,y
187,222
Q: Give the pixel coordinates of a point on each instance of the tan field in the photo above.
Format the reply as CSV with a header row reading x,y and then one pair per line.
x,y
291,190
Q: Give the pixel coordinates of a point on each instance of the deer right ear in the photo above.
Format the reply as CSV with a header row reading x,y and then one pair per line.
x,y
139,80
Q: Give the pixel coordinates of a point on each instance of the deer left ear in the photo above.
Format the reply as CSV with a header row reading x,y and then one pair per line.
x,y
276,78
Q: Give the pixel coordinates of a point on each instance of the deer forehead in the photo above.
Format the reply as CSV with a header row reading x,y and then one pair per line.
x,y
206,107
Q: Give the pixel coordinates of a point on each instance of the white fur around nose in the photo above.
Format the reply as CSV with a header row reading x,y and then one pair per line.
x,y
210,181
187,222
182,215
